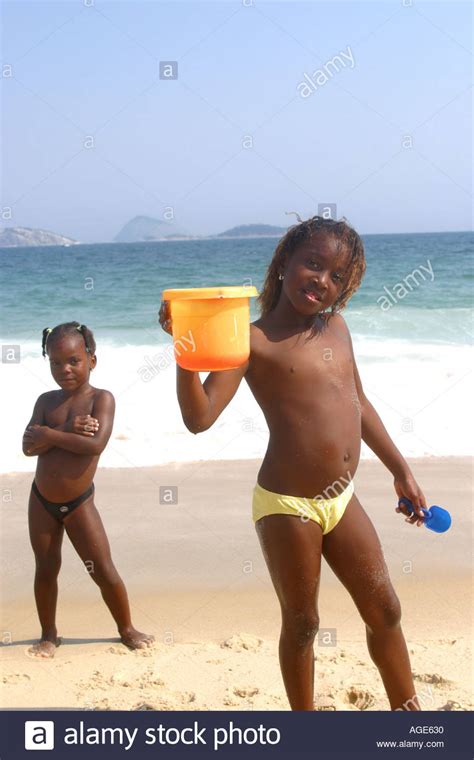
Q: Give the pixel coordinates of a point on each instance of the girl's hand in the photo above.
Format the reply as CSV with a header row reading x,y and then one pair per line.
x,y
164,317
35,436
407,486
84,424
27,442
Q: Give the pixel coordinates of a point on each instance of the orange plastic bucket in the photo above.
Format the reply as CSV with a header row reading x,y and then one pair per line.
x,y
211,326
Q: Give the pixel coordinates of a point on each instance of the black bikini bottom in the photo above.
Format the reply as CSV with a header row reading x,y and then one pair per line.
x,y
61,509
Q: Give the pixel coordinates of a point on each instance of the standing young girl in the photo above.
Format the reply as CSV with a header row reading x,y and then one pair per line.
x,y
68,431
303,374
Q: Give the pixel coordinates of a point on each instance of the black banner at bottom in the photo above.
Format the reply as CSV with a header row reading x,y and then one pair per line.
x,y
80,734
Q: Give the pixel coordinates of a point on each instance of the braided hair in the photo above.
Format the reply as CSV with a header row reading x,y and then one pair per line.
x,y
68,328
348,240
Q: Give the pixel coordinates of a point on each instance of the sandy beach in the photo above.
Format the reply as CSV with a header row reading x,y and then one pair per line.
x,y
198,582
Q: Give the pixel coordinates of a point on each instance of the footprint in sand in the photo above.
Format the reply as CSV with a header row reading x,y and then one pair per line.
x,y
123,650
149,678
229,702
430,678
360,698
121,678
245,692
325,704
152,699
240,642
118,650
16,678
176,702
452,705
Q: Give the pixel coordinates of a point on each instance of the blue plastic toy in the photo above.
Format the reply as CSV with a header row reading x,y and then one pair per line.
x,y
436,518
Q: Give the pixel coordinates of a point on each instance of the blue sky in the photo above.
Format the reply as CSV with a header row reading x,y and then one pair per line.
x,y
232,140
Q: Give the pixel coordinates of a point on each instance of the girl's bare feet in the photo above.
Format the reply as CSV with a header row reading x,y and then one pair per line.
x,y
133,639
45,648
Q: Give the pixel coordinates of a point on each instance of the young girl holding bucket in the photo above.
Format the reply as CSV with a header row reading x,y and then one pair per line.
x,y
303,374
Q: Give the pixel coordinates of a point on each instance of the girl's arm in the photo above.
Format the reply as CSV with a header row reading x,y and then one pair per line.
x,y
29,448
202,403
33,450
103,411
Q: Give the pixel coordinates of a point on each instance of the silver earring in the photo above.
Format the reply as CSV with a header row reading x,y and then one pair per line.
x,y
280,276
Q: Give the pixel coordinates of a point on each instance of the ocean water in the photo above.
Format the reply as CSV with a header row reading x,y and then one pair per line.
x,y
411,324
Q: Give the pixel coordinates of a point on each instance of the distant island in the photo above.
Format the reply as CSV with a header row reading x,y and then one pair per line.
x,y
146,229
253,230
13,237
140,229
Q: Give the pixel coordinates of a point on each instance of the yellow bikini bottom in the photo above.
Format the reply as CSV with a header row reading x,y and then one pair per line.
x,y
325,512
